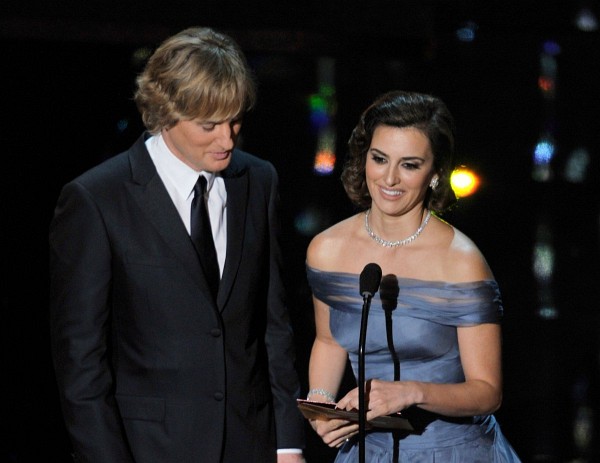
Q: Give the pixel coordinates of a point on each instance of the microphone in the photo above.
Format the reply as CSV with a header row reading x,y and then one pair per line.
x,y
388,293
370,278
369,281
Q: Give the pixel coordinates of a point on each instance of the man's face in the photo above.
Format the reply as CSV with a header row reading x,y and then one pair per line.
x,y
203,145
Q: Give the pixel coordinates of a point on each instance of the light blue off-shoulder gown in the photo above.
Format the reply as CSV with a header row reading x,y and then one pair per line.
x,y
424,316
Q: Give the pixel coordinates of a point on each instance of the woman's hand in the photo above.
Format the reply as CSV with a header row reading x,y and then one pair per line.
x,y
334,432
383,397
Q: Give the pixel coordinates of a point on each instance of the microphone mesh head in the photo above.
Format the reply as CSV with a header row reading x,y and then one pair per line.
x,y
370,279
389,291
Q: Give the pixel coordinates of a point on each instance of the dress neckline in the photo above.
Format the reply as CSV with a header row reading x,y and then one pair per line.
x,y
415,281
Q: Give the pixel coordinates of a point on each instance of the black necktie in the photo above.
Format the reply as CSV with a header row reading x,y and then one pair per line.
x,y
202,236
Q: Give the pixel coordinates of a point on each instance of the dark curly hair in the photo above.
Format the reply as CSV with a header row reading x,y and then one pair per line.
x,y
403,109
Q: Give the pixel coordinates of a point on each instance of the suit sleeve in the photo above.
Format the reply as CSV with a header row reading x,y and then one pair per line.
x,y
284,380
80,285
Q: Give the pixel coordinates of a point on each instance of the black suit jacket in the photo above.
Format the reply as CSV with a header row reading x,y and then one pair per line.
x,y
149,367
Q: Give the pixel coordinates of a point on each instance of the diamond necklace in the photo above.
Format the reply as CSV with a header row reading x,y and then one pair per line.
x,y
395,244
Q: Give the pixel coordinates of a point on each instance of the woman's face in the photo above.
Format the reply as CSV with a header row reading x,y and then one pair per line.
x,y
399,168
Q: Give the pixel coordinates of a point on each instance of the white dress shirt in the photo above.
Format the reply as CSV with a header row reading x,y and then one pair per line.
x,y
179,180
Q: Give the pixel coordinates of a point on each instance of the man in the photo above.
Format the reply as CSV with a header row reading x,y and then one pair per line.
x,y
157,358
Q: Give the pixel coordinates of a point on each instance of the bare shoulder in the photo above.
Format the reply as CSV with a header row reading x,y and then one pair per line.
x,y
466,260
328,248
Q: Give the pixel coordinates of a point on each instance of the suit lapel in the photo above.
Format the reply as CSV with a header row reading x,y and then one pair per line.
x,y
236,184
149,192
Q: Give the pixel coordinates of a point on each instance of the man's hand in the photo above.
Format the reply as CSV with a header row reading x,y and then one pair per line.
x,y
290,458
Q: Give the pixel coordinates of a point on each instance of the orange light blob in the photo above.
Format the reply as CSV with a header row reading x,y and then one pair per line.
x,y
546,84
324,162
464,182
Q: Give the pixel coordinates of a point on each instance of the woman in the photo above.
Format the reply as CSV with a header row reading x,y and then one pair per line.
x,y
445,359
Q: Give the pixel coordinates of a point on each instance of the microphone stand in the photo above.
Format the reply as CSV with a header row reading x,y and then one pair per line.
x,y
370,279
362,412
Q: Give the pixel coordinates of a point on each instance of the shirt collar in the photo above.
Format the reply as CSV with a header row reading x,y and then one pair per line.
x,y
183,176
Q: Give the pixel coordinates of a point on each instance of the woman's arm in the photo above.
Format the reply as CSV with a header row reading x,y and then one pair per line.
x,y
327,359
479,394
325,372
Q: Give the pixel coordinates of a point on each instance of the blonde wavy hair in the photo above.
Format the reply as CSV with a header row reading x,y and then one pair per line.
x,y
198,73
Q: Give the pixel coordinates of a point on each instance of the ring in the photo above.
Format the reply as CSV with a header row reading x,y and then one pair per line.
x,y
347,439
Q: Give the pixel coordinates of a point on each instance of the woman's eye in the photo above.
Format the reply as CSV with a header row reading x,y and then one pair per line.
x,y
410,166
377,159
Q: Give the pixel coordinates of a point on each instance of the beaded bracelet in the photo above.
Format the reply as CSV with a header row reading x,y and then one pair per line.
x,y
328,395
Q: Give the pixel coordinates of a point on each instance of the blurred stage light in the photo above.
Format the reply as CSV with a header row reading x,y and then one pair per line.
x,y
319,119
542,157
543,262
464,182
122,125
324,162
582,392
310,221
544,151
551,48
467,32
543,268
586,20
548,70
583,429
319,111
548,312
140,56
546,84
323,106
577,165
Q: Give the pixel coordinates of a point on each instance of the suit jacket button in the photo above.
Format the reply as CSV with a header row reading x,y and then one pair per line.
x,y
218,396
215,332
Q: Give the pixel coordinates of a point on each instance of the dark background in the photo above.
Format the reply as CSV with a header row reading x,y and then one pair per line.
x,y
67,74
